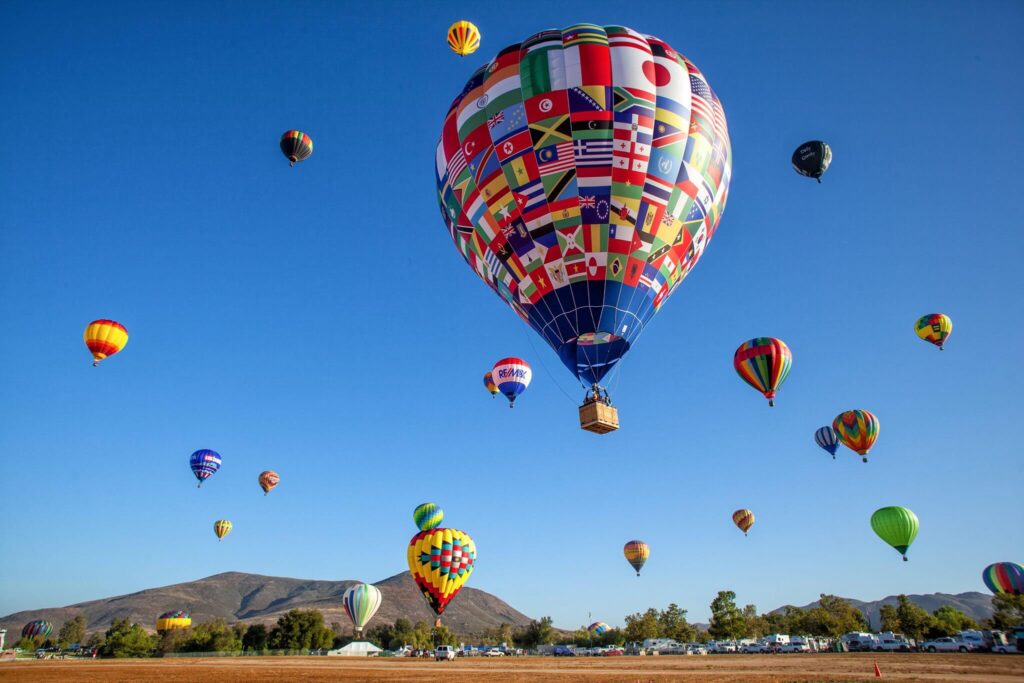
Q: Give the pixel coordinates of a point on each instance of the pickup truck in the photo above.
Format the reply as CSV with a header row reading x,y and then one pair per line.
x,y
945,645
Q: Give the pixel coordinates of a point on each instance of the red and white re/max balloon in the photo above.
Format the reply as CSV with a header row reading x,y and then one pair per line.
x,y
511,376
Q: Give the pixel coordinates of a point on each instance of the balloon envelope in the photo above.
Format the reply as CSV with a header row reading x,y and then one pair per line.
x,y
463,38
934,328
441,561
763,363
636,553
826,438
897,526
1004,578
581,174
812,159
222,528
428,516
361,602
268,480
39,627
744,519
857,429
598,627
489,383
512,376
204,464
104,338
296,145
168,621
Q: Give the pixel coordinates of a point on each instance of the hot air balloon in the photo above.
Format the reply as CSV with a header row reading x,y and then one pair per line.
x,y
897,526
812,158
491,386
1004,578
744,519
763,363
441,561
168,621
39,627
581,174
204,464
934,328
636,553
463,38
857,429
512,376
296,145
827,439
268,480
598,628
361,602
222,528
428,516
104,338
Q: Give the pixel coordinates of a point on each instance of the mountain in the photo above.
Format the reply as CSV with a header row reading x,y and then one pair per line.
x,y
252,598
977,606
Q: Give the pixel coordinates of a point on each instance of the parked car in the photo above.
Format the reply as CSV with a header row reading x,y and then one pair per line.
x,y
1009,648
794,646
672,649
723,648
444,653
494,652
696,649
945,645
755,648
562,651
892,645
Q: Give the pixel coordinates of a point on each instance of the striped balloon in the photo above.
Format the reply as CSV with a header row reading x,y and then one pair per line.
x,y
636,553
827,439
857,429
491,386
268,480
361,602
463,38
204,464
296,145
1004,578
897,526
934,328
168,621
428,516
512,376
39,627
763,363
744,519
598,627
222,528
104,338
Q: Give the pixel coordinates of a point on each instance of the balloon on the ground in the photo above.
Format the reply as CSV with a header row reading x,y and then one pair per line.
x,y
428,516
463,38
826,438
897,526
581,174
512,376
222,528
636,553
361,602
204,464
441,561
598,628
268,480
104,338
857,430
812,159
763,363
744,519
489,383
934,328
168,621
39,627
1004,578
296,145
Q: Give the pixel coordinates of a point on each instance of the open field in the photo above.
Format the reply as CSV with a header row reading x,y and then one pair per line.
x,y
718,668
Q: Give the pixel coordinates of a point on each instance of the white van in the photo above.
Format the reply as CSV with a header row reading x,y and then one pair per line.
x,y
444,653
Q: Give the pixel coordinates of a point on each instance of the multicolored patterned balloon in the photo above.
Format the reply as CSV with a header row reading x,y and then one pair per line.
x,y
441,561
512,376
1004,578
361,602
598,627
581,174
934,328
222,528
826,438
857,429
763,363
428,516
636,553
168,621
296,145
104,338
268,480
39,627
463,38
491,386
204,464
744,519
897,526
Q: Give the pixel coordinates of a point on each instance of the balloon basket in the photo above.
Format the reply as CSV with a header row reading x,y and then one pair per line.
x,y
598,417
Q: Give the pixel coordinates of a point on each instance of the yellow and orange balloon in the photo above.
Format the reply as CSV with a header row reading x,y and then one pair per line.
x,y
268,480
104,338
636,553
463,38
222,528
744,519
441,561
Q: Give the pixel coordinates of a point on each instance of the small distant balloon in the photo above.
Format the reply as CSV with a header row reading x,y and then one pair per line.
x,y
897,526
268,480
428,516
744,519
812,158
826,438
463,38
512,376
636,553
934,328
204,464
168,621
598,628
857,430
296,145
104,338
1004,578
763,363
222,528
491,386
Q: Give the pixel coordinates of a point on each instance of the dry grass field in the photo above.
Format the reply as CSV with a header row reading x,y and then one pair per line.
x,y
718,668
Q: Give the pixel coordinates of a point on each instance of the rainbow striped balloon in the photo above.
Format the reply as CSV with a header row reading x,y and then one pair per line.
x,y
361,602
636,553
598,627
39,627
763,363
857,429
1004,578
934,328
296,145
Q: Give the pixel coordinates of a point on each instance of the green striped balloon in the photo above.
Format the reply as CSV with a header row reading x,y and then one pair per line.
x,y
897,526
361,602
427,516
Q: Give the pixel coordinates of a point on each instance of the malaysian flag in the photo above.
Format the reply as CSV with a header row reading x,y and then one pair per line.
x,y
555,158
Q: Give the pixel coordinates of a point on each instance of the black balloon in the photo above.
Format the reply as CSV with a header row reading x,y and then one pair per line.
x,y
812,158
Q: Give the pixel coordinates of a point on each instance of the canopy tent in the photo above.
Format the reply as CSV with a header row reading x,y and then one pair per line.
x,y
359,648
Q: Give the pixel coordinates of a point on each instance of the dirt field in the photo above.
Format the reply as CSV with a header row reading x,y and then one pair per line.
x,y
717,668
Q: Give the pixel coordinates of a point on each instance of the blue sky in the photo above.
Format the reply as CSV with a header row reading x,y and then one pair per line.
x,y
318,321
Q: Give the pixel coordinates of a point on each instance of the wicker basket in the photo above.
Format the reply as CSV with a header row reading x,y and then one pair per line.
x,y
598,418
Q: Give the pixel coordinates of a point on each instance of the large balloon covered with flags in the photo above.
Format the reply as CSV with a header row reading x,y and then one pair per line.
x,y
581,174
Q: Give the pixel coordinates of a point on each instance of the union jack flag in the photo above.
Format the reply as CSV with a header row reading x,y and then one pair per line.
x,y
588,202
496,119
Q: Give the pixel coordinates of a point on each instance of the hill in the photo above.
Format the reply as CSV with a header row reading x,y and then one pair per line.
x,y
252,598
977,606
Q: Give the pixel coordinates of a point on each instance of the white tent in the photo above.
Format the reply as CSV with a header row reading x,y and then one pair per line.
x,y
359,648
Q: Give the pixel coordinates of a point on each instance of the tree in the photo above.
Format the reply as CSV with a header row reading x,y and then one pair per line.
x,y
255,638
949,620
30,643
301,630
1009,611
640,627
536,633
173,640
440,635
754,626
72,632
213,636
890,619
727,622
914,621
124,639
672,624
839,617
